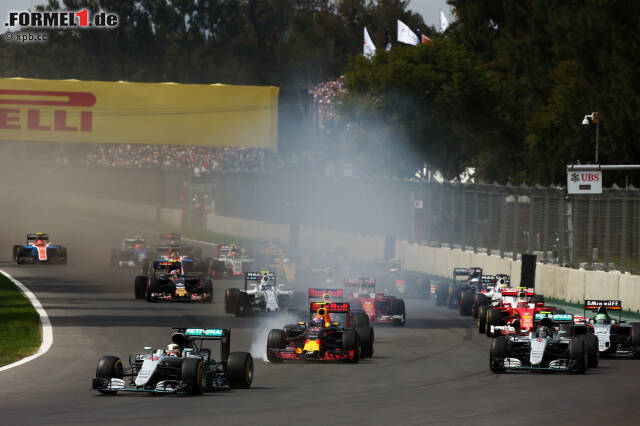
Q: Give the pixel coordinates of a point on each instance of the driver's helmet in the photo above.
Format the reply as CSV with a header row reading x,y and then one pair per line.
x,y
543,332
522,298
173,350
601,317
138,247
317,321
174,272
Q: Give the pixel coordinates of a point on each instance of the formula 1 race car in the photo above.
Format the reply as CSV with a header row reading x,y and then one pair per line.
x,y
547,347
230,261
321,338
173,241
378,307
614,335
488,294
463,279
173,280
261,294
39,250
184,367
513,313
133,253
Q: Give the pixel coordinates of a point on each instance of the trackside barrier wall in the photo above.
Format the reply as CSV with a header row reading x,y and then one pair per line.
x,y
571,285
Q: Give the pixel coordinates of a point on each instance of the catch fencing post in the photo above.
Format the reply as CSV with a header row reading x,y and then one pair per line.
x,y
531,223
476,207
590,232
514,254
545,228
489,231
503,224
623,235
452,222
607,228
561,229
463,240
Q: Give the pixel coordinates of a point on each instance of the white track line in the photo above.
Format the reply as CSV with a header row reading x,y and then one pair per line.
x,y
47,330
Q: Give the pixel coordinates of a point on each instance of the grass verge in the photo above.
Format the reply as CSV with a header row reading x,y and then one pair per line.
x,y
19,324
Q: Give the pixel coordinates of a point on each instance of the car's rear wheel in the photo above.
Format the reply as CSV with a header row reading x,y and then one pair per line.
x,y
577,356
397,308
207,287
194,375
109,367
242,307
240,370
482,319
365,333
231,300
140,287
275,340
359,319
453,298
466,302
494,318
153,287
593,353
351,342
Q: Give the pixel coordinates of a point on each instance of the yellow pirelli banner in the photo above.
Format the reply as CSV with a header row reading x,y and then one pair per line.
x,y
138,113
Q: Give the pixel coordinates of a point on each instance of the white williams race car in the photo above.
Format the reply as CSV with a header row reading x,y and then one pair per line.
x,y
261,294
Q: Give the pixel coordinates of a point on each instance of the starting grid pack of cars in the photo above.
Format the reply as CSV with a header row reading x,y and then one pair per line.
x,y
526,334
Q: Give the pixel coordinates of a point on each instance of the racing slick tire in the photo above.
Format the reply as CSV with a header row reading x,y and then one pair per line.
x,y
482,319
577,356
397,308
360,319
635,339
494,318
351,341
366,336
479,300
194,375
453,298
275,340
207,287
466,303
240,370
497,353
242,307
153,287
16,252
593,353
140,287
442,292
109,367
231,300
538,298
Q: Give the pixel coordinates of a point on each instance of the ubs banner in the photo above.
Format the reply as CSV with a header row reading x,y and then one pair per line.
x,y
138,113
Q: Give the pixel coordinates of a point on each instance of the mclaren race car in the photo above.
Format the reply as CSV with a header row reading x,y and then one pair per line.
x,y
378,307
322,338
614,335
549,346
173,280
184,367
261,294
39,250
133,253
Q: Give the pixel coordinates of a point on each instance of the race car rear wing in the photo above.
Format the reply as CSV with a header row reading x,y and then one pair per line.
x,y
331,308
36,236
457,272
170,236
488,279
594,305
321,293
557,318
258,277
360,282
510,291
186,335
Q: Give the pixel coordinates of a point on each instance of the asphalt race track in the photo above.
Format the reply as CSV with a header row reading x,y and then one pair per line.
x,y
433,371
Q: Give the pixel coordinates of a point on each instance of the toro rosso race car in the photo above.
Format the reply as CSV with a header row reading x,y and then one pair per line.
x,y
230,261
133,253
378,307
550,345
322,338
184,367
261,294
39,250
614,335
173,280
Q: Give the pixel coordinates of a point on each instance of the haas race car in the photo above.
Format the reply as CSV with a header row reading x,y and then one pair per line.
x,y
322,338
230,261
550,345
184,367
39,250
173,280
133,253
614,335
377,307
261,294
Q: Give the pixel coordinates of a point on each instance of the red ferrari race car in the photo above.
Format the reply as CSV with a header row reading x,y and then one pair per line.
x,y
322,338
378,307
514,313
